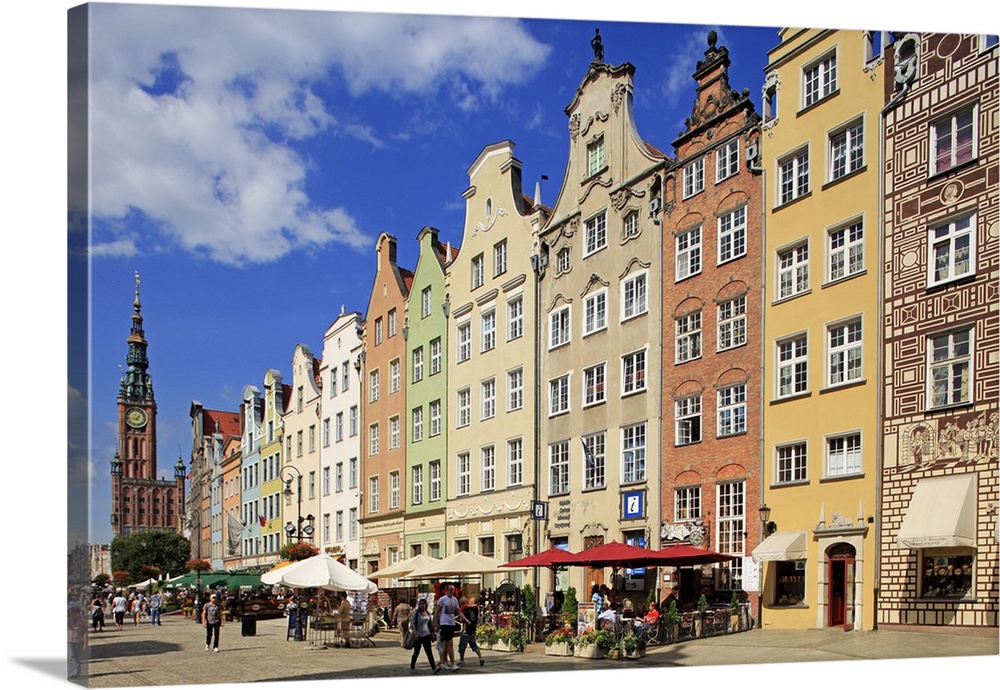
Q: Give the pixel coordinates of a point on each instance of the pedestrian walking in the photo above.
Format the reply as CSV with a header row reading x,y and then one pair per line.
x,y
119,605
447,613
97,614
211,618
344,616
420,624
470,610
401,618
155,602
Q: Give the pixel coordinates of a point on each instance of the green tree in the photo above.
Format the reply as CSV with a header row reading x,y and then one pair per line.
x,y
154,548
102,579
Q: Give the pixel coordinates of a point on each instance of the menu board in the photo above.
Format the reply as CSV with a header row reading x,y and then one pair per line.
x,y
586,617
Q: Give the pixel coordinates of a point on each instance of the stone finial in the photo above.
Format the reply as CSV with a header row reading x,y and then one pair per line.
x,y
713,37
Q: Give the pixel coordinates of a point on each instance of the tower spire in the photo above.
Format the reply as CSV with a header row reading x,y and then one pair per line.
x,y
136,384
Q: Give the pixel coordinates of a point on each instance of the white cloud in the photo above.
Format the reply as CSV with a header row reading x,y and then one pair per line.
x,y
196,112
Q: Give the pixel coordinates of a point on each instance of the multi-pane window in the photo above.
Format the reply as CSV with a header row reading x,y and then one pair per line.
x,y
393,433
478,271
793,177
435,356
595,156
952,251
435,471
687,503
558,468
559,395
595,312
373,494
326,432
394,376
338,477
393,490
593,384
373,439
373,384
634,300
688,253
687,419
488,463
392,322
345,376
559,327
820,79
418,485
352,523
464,407
352,421
733,234
630,225
634,372
378,330
793,366
515,462
426,300
562,260
464,341
326,481
333,381
500,258
731,530
464,478
847,150
688,337
847,251
595,233
791,461
727,160
594,461
515,389
418,364
418,424
793,271
732,323
489,330
489,398
515,318
435,408
634,453
953,140
843,455
338,528
694,177
352,473
844,350
731,405
949,372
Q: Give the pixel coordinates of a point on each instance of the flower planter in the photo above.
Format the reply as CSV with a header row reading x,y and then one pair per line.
x,y
589,651
504,646
637,654
559,649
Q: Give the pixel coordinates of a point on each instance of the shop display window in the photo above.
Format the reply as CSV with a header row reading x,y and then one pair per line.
x,y
946,574
790,585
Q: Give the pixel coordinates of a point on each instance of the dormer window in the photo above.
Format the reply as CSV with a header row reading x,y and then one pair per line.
x,y
595,156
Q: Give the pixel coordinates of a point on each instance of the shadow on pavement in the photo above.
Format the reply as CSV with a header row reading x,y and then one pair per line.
x,y
131,648
51,667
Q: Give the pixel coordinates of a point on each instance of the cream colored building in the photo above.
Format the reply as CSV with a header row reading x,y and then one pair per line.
x,y
301,467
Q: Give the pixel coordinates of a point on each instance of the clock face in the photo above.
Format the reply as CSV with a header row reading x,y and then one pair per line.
x,y
136,418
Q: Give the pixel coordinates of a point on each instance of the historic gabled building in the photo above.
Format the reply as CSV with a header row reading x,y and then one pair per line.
x,y
231,525
340,441
492,363
383,452
139,500
820,154
211,431
712,244
424,330
272,457
941,383
301,467
251,426
599,336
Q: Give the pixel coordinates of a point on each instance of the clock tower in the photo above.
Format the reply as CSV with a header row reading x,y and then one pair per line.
x,y
140,501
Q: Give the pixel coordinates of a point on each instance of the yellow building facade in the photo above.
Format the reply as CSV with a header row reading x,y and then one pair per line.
x,y
820,158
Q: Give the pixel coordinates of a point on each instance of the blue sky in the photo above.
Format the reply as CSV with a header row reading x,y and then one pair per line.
x,y
206,300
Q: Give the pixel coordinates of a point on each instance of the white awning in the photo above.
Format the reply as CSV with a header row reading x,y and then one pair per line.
x,y
782,546
942,512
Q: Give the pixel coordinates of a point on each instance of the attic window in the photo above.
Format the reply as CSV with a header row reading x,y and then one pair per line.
x,y
595,156
489,208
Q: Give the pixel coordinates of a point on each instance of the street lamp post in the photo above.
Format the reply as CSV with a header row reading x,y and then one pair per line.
x,y
297,531
767,528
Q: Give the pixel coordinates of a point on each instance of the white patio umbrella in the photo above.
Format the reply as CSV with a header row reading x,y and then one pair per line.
x,y
273,576
457,564
143,584
406,567
324,571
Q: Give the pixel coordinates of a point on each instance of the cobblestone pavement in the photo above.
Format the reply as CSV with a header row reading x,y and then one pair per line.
x,y
174,654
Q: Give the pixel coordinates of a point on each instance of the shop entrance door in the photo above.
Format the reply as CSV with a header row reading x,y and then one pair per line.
x,y
840,592
595,576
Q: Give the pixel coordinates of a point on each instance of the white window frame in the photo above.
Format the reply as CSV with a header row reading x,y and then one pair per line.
x,y
352,524
730,532
394,376
687,337
418,485
946,244
732,236
792,267
731,323
464,342
478,271
635,295
819,79
595,233
845,352
687,420
951,353
418,364
634,376
352,473
688,253
338,526
394,490
434,469
393,433
515,318
373,440
595,475
793,176
727,160
338,477
634,439
595,384
463,477
792,358
373,495
488,468
560,327
687,503
558,468
846,150
378,341
392,322
488,335
499,258
945,129
845,249
515,389
562,260
515,461
731,410
463,408
844,455
488,392
559,395
596,158
373,385
426,302
435,415
595,312
694,177
436,352
630,225
352,421
417,415
791,462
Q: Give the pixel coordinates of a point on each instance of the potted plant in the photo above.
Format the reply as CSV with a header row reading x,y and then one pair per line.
x,y
560,642
570,606
734,616
585,646
486,636
674,618
509,640
633,646
699,623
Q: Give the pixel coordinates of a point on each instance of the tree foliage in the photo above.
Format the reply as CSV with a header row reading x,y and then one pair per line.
x,y
154,548
102,579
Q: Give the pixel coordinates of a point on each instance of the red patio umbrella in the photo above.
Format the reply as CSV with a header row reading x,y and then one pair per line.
x,y
683,554
616,555
549,558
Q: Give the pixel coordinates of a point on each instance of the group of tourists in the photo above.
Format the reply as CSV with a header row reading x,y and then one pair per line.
x,y
418,627
133,607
